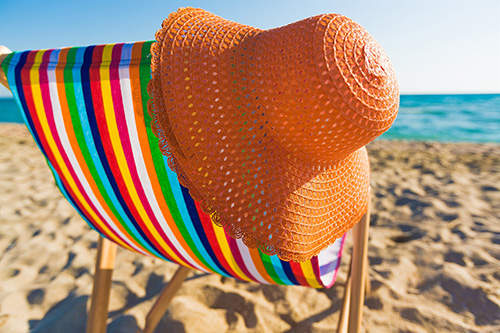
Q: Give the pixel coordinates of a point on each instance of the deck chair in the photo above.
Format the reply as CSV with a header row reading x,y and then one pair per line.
x,y
86,110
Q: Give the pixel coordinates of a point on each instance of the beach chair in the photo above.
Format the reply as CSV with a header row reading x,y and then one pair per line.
x,y
261,132
86,109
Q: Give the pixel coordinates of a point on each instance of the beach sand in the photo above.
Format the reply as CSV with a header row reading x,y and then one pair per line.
x,y
434,255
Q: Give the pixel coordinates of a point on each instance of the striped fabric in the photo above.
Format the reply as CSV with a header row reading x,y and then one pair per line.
x,y
86,108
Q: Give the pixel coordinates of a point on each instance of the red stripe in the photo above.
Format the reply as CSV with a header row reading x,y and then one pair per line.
x,y
298,273
208,226
28,94
49,113
97,100
121,122
26,83
315,267
237,257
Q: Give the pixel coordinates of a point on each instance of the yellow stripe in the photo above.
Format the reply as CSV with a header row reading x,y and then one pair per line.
x,y
109,112
77,152
309,274
226,251
40,110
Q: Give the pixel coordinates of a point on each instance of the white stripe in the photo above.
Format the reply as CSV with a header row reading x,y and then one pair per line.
x,y
329,256
248,261
61,130
139,158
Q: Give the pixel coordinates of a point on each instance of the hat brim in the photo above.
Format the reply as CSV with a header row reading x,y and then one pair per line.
x,y
211,125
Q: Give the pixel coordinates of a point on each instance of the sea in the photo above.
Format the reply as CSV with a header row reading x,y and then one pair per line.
x,y
444,118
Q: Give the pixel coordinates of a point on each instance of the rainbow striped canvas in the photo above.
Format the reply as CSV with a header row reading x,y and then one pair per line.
x,y
86,108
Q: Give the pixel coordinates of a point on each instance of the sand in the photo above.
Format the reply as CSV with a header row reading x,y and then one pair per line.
x,y
434,255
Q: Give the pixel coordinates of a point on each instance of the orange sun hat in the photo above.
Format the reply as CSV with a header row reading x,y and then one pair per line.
x,y
267,128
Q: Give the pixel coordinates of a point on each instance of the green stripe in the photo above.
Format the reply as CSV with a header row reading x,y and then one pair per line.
x,y
266,260
80,136
145,76
6,62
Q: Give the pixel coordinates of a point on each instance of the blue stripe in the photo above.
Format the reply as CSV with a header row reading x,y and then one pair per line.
x,y
82,112
289,272
332,265
278,267
192,221
17,62
65,193
53,60
86,106
186,217
18,92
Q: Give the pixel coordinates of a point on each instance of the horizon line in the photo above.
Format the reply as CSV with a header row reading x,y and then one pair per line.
x,y
401,94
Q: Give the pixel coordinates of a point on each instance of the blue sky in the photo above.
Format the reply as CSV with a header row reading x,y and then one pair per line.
x,y
438,46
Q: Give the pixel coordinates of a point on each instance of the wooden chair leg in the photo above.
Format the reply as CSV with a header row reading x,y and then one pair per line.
x,y
105,262
359,272
368,286
344,310
165,298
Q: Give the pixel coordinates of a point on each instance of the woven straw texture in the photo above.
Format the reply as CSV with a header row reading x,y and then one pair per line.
x,y
267,128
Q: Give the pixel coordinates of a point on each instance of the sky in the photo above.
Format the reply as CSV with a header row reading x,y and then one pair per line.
x,y
436,46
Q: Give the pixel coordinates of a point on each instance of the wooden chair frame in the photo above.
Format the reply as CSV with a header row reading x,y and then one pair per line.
x,y
356,285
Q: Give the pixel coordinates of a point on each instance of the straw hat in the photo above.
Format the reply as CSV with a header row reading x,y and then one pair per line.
x,y
267,128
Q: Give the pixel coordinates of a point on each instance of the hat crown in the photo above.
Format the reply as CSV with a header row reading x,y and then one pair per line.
x,y
327,87
267,128
376,61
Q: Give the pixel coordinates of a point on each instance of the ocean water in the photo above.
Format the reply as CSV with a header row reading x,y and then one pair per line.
x,y
9,112
445,118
